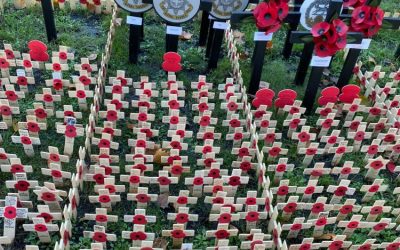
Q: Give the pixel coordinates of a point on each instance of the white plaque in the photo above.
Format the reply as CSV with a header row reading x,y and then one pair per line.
x,y
363,45
220,25
134,20
261,36
317,61
174,30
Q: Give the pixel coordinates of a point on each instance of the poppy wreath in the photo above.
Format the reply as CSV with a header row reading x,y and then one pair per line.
x,y
270,15
367,19
329,37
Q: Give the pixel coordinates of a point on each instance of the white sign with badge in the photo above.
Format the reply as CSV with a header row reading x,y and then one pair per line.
x,y
176,11
313,12
135,6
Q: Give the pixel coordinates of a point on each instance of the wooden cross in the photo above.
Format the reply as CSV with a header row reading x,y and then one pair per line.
x,y
32,125
283,190
377,127
105,198
176,169
353,108
50,196
376,210
252,216
198,181
22,185
7,112
70,130
377,227
109,183
140,217
337,242
66,233
56,65
101,217
148,90
55,171
340,191
144,101
374,148
105,141
44,212
318,207
41,228
40,112
358,137
275,150
112,114
14,166
370,190
142,116
205,119
309,152
139,153
5,157
6,63
145,244
11,95
183,216
85,65
237,136
164,181
11,213
139,163
327,123
99,235
353,125
331,140
27,64
320,222
233,121
293,123
178,233
48,98
257,241
326,110
251,199
304,137
221,200
346,170
222,232
389,137
317,171
374,166
27,141
368,244
307,243
295,228
309,190
339,151
84,79
63,54
265,121
138,235
142,197
348,207
203,105
235,180
134,179
54,156
141,142
182,200
81,94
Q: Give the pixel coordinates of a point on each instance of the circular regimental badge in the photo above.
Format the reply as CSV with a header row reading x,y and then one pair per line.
x,y
176,11
222,9
135,6
313,12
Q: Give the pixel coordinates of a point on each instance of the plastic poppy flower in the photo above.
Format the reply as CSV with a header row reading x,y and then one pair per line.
x,y
311,151
17,168
264,124
203,107
346,209
57,84
214,173
85,80
375,210
26,140
290,207
9,54
320,30
389,138
46,216
245,166
182,218
142,117
162,180
232,106
208,162
234,123
218,200
309,190
176,170
217,188
104,199
111,188
144,104
205,121
274,151
173,104
234,181
176,145
101,218
10,212
3,156
208,135
47,196
134,179
22,81
178,234
359,136
238,136
99,237
4,64
252,216
99,178
139,219
173,158
327,123
341,150
47,98
251,201
104,143
225,218
321,222
373,149
32,127
373,188
318,207
11,96
26,63
56,67
354,125
182,200
147,131
380,226
393,246
86,67
222,234
336,245
56,173
5,110
81,94
70,131
142,198
353,224
141,167
174,120
40,113
112,115
283,190
296,227
62,55
365,247
243,152
206,149
294,123
198,181
40,228
137,236
316,173
376,165
341,191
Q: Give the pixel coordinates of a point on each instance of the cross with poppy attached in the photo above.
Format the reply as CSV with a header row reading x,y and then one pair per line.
x,y
11,54
172,103
283,190
112,114
395,244
5,64
374,148
310,189
81,94
56,65
237,136
176,168
32,126
142,197
317,207
99,235
105,141
70,131
178,234
40,112
340,191
58,84
198,181
65,234
164,181
203,105
367,244
108,129
233,121
63,54
381,225
143,116
27,141
101,217
309,152
11,95
295,228
182,200
358,137
149,90
7,111
134,179
140,217
85,65
222,232
371,190
5,157
256,240
11,213
142,142
345,171
337,242
42,229
173,119
339,151
352,225
14,166
235,180
22,185
43,211
183,216
48,98
118,89
320,222
293,123
139,154
50,195
374,166
348,207
376,210
138,235
54,156
27,64
252,216
290,207
84,79
143,101
109,183
105,198
204,91
55,171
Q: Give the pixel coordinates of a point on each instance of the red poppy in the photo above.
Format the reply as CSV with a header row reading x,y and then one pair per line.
x,y
87,67
232,106
359,136
139,219
47,98
283,190
393,246
234,181
380,226
243,152
104,143
205,121
134,179
354,125
353,224
274,151
40,228
26,140
270,15
341,150
311,151
208,162
296,227
373,149
70,131
99,237
17,168
245,166
198,181
218,200
4,64
47,196
316,173
327,123
217,188
111,188
137,236
208,135
303,137
162,180
33,127
171,159
176,170
107,170
104,199
238,136
178,234
11,96
203,107
234,123
367,19
290,207
40,113
182,200
56,173
26,63
22,81
3,156
10,212
321,222
341,191
81,94
101,218
206,149
214,173
373,188
225,218
376,164
251,201
365,247
375,210
57,84
335,245
173,104
346,209
264,124
99,179
46,216
142,198
389,138
112,115
318,207
222,234
309,190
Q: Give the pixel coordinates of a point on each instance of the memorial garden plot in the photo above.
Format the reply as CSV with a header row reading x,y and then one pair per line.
x,y
118,131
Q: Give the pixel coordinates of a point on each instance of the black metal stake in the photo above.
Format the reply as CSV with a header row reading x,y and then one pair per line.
x,y
49,22
312,88
257,65
397,54
135,34
348,66
288,46
205,23
305,60
218,36
210,38
171,42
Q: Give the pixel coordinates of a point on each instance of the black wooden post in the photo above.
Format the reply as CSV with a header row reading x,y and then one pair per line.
x,y
135,35
257,65
397,54
49,22
288,46
218,36
210,38
305,60
348,66
312,88
205,23
171,41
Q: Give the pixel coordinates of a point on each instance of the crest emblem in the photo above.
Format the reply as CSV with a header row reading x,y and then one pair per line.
x,y
313,12
176,11
135,6
222,9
